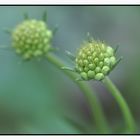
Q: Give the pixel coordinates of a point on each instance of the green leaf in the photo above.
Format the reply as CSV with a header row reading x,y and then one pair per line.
x,y
70,55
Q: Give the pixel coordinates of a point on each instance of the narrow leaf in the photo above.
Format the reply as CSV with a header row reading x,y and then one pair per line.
x,y
70,55
67,68
118,61
79,79
116,49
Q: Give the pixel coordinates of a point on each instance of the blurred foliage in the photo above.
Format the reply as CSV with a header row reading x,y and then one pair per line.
x,y
35,97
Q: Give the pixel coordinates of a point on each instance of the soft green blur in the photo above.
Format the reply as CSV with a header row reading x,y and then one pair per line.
x,y
36,98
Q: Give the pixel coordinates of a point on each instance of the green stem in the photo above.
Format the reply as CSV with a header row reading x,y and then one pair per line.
x,y
131,127
95,105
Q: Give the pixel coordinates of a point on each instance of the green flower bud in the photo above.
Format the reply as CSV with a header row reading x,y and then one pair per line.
x,y
84,75
91,74
99,76
105,69
95,60
31,38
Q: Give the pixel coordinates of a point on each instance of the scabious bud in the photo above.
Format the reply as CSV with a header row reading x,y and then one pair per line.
x,y
94,60
31,38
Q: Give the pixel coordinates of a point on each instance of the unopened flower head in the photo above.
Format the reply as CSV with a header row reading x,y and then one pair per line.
x,y
94,60
31,38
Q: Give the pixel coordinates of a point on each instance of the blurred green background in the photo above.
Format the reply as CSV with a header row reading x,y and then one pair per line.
x,y
35,96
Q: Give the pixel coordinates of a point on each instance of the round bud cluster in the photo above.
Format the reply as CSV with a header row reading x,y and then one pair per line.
x,y
31,38
95,60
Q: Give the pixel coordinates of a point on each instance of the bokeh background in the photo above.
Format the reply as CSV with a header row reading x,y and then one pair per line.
x,y
37,98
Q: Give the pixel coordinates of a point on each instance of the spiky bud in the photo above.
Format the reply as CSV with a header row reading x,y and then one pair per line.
x,y
94,60
31,38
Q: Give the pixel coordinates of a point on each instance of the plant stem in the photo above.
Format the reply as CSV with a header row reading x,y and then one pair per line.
x,y
96,109
131,127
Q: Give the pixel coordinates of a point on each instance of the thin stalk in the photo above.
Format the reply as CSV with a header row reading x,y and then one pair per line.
x,y
96,109
130,123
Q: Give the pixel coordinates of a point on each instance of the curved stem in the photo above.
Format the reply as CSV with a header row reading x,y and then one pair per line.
x,y
95,105
131,127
